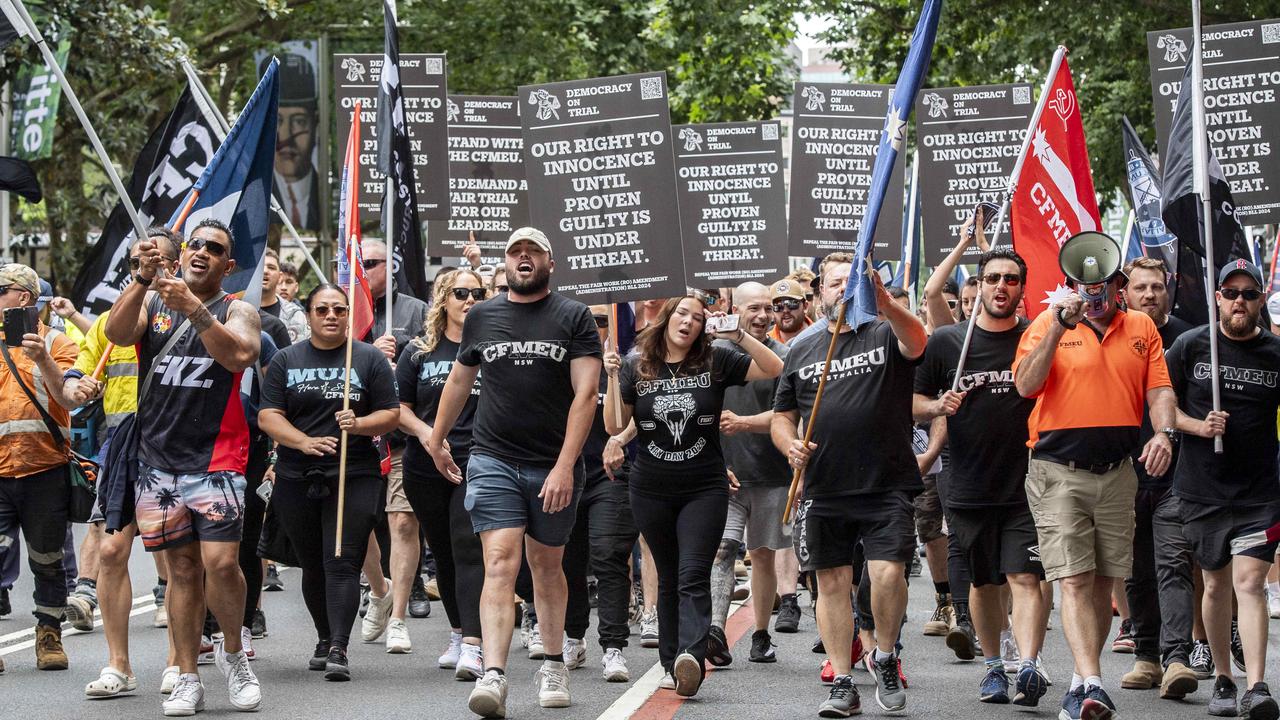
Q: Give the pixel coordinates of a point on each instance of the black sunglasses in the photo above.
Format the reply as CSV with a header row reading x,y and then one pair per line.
x,y
336,310
602,321
1010,279
197,244
1249,294
951,304
780,305
476,294
371,263
502,288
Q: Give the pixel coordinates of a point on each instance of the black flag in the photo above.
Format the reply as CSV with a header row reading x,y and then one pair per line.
x,y
395,160
16,176
1181,210
166,168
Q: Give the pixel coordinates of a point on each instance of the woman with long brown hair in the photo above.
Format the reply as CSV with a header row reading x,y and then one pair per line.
x,y
673,385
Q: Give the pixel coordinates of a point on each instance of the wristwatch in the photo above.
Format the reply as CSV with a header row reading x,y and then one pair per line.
x,y
144,282
1172,433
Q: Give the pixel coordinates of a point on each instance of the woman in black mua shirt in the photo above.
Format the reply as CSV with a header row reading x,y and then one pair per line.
x,y
673,385
301,409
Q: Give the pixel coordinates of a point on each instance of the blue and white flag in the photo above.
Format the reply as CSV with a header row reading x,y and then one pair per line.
x,y
235,187
859,294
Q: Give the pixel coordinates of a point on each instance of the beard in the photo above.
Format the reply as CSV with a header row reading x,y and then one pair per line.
x,y
540,280
1239,327
1012,310
832,312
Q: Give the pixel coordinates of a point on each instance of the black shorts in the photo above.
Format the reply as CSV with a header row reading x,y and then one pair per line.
x,y
1216,533
829,529
996,541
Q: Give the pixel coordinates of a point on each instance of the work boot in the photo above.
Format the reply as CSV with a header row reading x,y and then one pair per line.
x,y
1179,681
1144,675
940,623
49,652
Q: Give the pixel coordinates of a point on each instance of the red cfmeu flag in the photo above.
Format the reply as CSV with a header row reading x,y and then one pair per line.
x,y
1053,198
350,263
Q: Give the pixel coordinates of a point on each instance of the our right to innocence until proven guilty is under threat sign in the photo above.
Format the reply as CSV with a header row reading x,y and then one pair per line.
x,y
733,206
1242,115
834,142
602,186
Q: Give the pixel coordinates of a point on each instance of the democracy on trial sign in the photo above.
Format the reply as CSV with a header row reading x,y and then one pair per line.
x,y
834,142
488,194
1241,76
733,206
968,139
602,185
422,81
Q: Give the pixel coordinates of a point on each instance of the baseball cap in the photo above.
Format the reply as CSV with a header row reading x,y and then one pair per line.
x,y
20,275
531,234
1240,265
786,288
1273,305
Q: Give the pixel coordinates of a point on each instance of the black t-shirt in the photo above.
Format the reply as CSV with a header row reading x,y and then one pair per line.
x,y
677,419
1170,331
273,309
274,326
988,434
420,378
1244,475
525,350
751,456
306,383
863,430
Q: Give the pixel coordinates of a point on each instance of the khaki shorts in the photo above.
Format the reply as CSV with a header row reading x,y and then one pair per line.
x,y
1084,521
396,500
928,511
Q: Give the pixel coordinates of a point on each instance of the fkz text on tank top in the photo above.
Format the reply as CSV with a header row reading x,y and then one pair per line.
x,y
192,420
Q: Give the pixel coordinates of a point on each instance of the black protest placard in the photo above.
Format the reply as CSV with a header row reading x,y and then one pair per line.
x,y
834,142
733,205
488,194
968,140
422,80
602,185
1241,77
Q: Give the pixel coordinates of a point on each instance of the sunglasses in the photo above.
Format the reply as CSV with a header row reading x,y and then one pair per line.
x,y
325,310
1010,279
1249,295
951,304
371,264
502,288
215,249
780,305
476,294
602,321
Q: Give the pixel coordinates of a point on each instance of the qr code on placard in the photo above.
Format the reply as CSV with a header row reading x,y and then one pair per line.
x,y
434,66
1271,33
1022,96
769,131
651,88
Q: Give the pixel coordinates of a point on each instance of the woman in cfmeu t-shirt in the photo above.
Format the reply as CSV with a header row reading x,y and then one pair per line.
x,y
673,384
301,409
438,502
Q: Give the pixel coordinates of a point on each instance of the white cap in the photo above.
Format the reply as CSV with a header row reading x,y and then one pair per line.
x,y
534,235
1273,306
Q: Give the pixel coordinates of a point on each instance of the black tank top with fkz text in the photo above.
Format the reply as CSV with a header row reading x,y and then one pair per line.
x,y
192,420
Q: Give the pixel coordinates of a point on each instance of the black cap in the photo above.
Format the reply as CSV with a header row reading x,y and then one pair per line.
x,y
1240,265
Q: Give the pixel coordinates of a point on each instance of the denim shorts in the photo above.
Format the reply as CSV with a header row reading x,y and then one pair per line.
x,y
505,495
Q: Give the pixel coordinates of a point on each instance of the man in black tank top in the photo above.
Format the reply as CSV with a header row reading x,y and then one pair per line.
x,y
193,446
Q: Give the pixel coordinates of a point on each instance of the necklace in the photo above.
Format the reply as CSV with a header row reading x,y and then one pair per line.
x,y
674,373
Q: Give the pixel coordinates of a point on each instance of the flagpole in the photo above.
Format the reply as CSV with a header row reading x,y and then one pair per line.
x,y
139,229
1058,56
1275,255
813,414
346,400
1200,186
912,219
388,206
213,116
613,387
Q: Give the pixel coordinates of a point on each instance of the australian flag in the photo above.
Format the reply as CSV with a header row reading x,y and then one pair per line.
x,y
859,295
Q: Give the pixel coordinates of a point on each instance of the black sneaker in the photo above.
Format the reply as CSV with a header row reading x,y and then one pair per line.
x,y
336,668
1201,660
1257,704
843,701
762,648
1223,701
419,603
788,615
718,648
319,656
272,582
820,649
1237,650
5,607
258,628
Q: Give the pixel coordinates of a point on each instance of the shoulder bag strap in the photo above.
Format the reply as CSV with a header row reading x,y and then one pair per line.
x,y
51,424
168,346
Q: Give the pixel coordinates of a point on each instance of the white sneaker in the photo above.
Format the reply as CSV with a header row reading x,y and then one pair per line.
x,y
450,657
649,629
470,663
169,679
161,619
186,699
615,666
553,685
1009,652
667,682
376,616
1273,604
398,642
536,650
575,653
489,697
242,684
246,642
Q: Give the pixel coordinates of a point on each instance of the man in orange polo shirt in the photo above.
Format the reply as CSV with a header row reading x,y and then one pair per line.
x,y
1090,376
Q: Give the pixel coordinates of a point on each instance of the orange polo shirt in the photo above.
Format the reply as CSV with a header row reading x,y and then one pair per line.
x,y
1091,403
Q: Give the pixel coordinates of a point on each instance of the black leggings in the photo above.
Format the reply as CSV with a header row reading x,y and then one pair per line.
x,y
683,532
254,509
330,585
438,504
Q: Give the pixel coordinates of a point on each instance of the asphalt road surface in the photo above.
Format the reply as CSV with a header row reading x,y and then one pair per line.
x,y
410,686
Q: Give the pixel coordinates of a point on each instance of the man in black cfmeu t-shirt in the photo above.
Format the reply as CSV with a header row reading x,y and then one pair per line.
x,y
541,359
855,491
1230,501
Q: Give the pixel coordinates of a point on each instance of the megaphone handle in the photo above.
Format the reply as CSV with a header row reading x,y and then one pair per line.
x,y
1062,321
